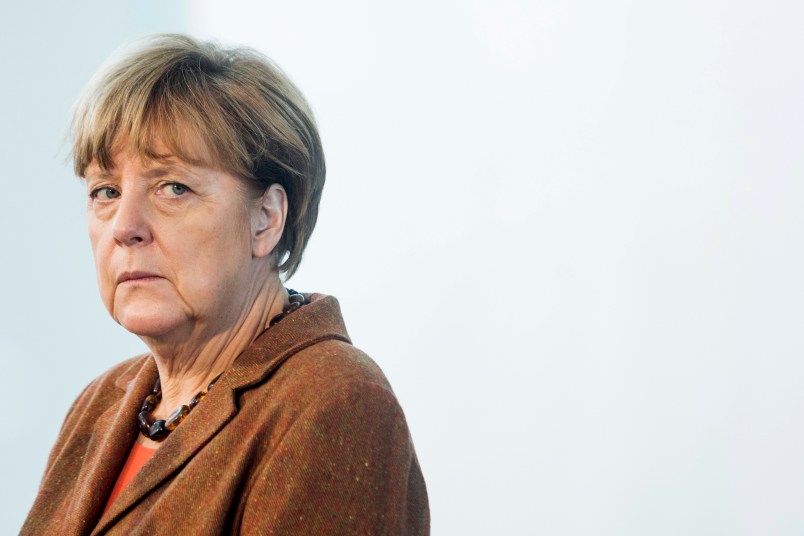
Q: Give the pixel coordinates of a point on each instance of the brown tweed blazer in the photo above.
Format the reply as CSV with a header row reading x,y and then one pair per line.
x,y
303,435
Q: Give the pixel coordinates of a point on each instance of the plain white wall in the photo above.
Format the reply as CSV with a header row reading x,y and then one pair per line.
x,y
569,232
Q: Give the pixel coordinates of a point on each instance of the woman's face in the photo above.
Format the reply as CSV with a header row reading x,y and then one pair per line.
x,y
172,244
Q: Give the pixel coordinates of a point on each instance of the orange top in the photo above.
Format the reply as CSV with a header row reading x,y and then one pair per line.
x,y
136,459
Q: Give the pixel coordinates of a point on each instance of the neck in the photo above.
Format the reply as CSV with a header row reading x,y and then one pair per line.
x,y
188,366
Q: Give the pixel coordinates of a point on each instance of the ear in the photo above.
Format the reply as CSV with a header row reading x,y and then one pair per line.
x,y
268,220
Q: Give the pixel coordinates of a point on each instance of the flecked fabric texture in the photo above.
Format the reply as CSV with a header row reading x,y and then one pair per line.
x,y
303,435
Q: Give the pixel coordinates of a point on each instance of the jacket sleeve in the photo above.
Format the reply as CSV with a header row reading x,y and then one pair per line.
x,y
346,466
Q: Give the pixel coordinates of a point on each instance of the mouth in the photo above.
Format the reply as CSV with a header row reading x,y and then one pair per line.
x,y
137,277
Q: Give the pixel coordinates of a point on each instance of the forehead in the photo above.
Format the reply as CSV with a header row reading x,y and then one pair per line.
x,y
139,164
160,155
149,143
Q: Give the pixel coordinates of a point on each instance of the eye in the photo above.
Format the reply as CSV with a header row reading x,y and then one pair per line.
x,y
104,193
175,189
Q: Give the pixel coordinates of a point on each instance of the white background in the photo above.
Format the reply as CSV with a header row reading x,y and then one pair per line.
x,y
569,232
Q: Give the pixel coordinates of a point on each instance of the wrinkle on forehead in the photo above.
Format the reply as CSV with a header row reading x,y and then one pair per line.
x,y
152,167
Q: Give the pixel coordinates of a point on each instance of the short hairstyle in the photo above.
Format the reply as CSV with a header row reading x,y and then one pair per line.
x,y
250,118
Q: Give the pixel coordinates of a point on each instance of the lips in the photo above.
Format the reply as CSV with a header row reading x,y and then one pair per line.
x,y
137,275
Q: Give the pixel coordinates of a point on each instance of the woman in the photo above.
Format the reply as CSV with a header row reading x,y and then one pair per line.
x,y
252,413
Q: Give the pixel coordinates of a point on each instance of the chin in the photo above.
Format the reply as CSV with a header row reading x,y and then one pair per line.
x,y
151,322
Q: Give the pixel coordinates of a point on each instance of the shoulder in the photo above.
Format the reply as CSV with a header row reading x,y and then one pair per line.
x,y
337,446
330,367
329,401
329,384
335,361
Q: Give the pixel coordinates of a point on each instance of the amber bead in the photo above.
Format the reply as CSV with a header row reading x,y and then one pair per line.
x,y
197,398
176,417
158,430
215,379
142,421
149,403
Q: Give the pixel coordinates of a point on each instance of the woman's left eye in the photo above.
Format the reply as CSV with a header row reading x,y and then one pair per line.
x,y
175,189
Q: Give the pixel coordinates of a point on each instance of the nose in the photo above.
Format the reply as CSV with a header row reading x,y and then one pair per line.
x,y
132,225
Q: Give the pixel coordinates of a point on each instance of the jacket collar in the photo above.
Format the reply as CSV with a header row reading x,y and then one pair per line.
x,y
319,320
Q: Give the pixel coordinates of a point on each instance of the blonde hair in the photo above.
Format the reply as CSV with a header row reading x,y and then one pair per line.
x,y
247,115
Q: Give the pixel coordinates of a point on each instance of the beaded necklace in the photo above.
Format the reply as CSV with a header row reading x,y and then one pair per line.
x,y
159,429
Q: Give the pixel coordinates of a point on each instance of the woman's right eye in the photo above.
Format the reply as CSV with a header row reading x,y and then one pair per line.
x,y
104,193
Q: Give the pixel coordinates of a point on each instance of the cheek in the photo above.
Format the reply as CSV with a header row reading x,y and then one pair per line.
x,y
226,255
208,259
221,257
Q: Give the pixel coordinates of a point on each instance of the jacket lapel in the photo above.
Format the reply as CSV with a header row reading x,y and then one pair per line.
x,y
107,450
195,431
320,320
